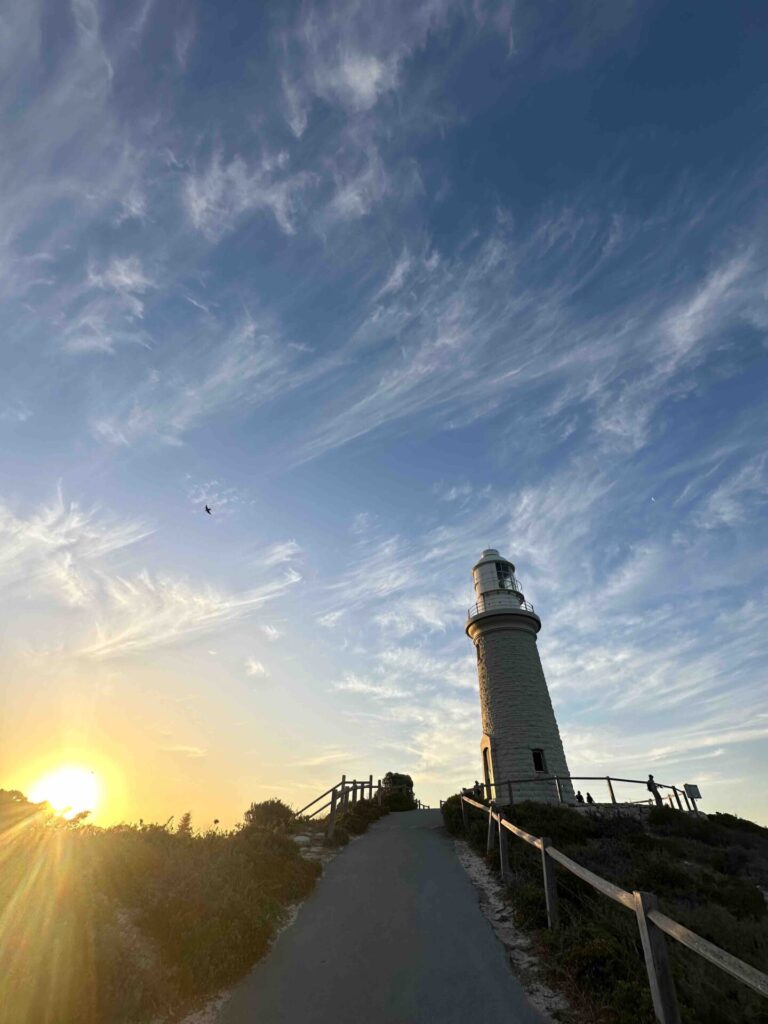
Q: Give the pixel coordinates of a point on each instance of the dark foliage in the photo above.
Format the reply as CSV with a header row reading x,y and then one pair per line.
x,y
269,814
706,873
128,923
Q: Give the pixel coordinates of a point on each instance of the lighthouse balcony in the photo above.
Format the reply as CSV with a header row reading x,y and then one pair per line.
x,y
501,601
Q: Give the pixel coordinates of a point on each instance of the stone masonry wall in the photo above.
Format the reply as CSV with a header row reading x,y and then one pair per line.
x,y
517,712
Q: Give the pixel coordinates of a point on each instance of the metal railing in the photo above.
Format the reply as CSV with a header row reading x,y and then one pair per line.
x,y
653,925
505,791
498,602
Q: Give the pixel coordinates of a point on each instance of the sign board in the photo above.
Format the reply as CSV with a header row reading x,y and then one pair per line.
x,y
692,791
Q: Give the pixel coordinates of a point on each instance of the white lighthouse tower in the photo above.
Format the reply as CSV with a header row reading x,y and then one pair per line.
x,y
521,739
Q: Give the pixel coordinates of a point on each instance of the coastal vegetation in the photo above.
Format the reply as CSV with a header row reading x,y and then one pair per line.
x,y
136,922
709,874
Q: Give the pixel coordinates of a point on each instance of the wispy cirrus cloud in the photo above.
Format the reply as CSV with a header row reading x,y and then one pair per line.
x,y
247,366
149,610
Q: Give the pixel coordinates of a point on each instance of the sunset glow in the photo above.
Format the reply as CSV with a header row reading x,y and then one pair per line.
x,y
69,790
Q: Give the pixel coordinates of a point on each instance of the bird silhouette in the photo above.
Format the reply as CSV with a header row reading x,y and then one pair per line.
x,y
207,509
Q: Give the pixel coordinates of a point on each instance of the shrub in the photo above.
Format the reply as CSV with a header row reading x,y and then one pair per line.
x,y
132,922
269,814
452,816
703,870
398,800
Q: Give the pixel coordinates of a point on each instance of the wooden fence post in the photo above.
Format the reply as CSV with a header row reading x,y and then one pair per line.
x,y
370,787
656,961
330,827
687,801
559,790
463,813
504,852
491,840
343,793
378,793
610,789
550,884
677,797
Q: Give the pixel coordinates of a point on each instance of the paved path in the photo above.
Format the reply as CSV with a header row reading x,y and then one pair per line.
x,y
393,934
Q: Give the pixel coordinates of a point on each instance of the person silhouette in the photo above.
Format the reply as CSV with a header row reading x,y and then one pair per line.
x,y
579,797
589,798
653,788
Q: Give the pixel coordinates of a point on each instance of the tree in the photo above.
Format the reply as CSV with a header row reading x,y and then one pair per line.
x,y
398,792
394,780
184,828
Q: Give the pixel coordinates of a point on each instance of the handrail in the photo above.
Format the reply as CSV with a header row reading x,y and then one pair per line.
x,y
316,799
491,603
601,884
727,962
651,920
575,778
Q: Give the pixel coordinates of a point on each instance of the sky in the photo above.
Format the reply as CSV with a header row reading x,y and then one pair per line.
x,y
384,284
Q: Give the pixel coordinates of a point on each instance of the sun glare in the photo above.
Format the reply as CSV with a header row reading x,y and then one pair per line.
x,y
68,790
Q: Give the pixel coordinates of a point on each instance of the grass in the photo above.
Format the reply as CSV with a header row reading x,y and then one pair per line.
x,y
707,872
135,923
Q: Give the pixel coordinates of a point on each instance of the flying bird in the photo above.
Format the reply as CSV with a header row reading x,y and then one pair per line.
x,y
207,509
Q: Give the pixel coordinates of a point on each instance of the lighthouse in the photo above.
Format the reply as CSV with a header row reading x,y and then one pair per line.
x,y
521,740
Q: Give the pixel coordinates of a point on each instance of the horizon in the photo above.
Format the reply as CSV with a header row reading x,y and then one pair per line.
x,y
382,293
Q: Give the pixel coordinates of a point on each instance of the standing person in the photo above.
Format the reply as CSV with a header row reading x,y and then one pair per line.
x,y
653,788
579,797
589,798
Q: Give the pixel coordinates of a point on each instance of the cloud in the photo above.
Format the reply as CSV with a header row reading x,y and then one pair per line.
x,y
329,756
148,610
51,543
280,552
63,550
330,620
255,668
186,751
495,325
354,684
247,366
217,197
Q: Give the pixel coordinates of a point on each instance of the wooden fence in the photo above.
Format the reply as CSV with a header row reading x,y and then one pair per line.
x,y
346,792
652,923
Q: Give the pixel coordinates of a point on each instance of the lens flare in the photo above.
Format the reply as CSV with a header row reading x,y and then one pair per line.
x,y
69,790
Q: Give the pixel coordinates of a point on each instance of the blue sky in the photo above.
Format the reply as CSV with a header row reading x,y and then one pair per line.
x,y
384,284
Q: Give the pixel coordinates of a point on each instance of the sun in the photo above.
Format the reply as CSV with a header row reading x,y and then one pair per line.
x,y
69,790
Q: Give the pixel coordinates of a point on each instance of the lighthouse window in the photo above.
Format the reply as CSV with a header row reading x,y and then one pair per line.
x,y
504,575
539,764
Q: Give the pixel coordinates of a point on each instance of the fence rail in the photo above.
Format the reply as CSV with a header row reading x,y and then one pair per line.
x,y
506,788
652,923
344,793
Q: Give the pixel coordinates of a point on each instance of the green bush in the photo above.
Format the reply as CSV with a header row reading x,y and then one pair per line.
x,y
129,923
